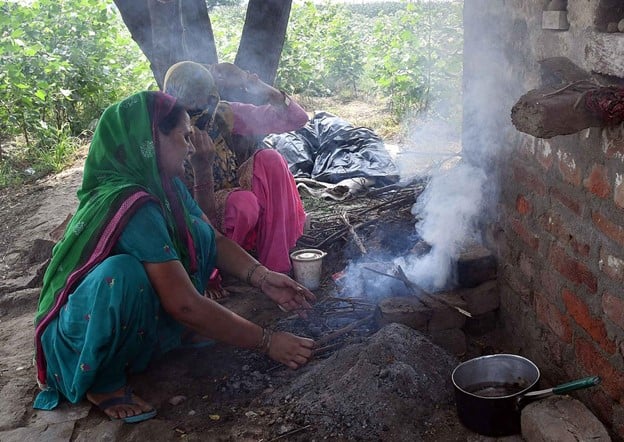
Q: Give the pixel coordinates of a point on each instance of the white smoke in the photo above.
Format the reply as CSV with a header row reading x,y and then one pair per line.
x,y
448,210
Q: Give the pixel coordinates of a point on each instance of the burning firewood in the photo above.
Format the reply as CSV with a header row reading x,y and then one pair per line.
x,y
344,330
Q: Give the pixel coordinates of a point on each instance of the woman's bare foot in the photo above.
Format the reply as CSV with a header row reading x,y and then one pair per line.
x,y
123,404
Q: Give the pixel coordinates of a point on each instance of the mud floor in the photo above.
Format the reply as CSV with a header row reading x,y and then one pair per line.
x,y
368,384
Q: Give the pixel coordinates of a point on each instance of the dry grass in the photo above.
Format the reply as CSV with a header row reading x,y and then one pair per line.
x,y
369,112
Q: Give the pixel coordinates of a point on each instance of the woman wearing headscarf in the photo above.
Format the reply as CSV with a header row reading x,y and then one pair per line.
x,y
251,199
124,282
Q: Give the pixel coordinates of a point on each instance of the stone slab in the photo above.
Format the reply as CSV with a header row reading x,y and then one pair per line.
x,y
561,419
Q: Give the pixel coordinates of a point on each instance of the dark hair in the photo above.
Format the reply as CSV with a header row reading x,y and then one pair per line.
x,y
172,119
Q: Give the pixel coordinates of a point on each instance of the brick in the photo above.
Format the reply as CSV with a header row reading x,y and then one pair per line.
x,y
407,310
609,228
445,318
554,349
519,288
554,224
550,284
550,316
618,191
596,364
526,266
567,200
612,266
531,181
592,325
410,311
481,299
572,269
613,307
529,238
475,265
523,205
598,181
568,168
544,154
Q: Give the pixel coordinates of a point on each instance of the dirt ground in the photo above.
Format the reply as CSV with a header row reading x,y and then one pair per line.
x,y
219,392
370,384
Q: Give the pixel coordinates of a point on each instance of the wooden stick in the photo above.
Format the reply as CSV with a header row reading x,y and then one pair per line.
x,y
290,433
341,331
325,349
384,274
353,233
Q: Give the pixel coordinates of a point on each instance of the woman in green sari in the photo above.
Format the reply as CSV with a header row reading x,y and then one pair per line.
x,y
125,281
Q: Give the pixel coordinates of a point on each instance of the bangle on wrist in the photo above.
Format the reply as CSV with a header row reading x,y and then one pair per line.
x,y
263,278
250,272
265,342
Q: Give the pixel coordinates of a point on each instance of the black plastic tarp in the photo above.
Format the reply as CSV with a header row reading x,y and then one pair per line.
x,y
330,149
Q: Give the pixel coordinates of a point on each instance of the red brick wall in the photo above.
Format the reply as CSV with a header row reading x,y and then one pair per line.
x,y
558,223
562,264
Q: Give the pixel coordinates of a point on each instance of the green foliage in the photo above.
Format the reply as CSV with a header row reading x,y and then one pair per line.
x,y
410,52
63,63
374,9
227,26
321,55
415,58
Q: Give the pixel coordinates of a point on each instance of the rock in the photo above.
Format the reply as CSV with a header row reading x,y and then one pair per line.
x,y
620,25
177,400
53,432
612,27
561,419
40,251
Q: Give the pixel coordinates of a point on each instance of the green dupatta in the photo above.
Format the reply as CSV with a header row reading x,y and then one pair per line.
x,y
120,173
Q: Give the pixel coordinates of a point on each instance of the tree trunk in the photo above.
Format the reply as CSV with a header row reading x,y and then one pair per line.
x,y
176,30
198,38
136,17
168,32
545,113
167,37
263,37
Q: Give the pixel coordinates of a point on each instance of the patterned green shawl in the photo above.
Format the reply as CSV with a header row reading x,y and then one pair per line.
x,y
121,173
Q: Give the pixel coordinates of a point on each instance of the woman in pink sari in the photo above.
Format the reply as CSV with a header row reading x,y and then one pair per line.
x,y
251,197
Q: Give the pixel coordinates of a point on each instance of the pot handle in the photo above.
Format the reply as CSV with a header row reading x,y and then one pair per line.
x,y
559,389
589,381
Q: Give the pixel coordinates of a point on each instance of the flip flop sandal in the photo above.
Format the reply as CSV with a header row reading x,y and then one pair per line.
x,y
126,399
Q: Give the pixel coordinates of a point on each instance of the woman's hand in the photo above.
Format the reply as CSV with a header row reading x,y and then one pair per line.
x,y
290,350
288,294
204,149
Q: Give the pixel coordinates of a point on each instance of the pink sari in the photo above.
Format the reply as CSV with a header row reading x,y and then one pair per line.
x,y
265,213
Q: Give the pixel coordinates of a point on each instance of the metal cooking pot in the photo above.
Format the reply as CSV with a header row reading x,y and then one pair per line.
x,y
491,390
